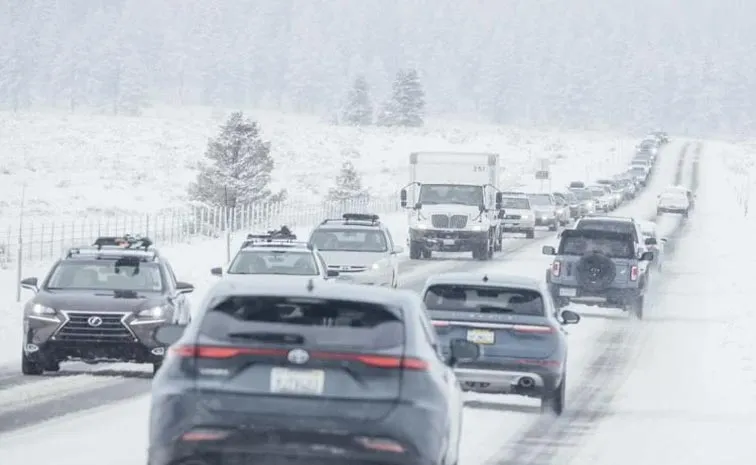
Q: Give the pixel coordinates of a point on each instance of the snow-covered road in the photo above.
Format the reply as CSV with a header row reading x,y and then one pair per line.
x,y
609,375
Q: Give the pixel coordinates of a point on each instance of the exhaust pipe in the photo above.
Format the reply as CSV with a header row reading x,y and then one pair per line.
x,y
526,382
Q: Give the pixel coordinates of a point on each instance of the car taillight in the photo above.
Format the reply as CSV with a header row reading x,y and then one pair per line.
x,y
441,327
375,361
634,271
556,268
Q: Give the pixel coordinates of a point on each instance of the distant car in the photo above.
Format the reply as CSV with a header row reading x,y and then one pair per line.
x,y
514,320
516,215
673,202
576,185
279,255
572,202
604,201
360,248
653,242
545,209
587,200
681,189
102,303
285,372
562,209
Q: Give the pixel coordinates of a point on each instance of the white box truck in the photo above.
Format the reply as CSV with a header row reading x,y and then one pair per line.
x,y
452,202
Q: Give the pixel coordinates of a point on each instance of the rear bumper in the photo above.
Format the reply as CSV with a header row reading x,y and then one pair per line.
x,y
508,377
606,298
679,210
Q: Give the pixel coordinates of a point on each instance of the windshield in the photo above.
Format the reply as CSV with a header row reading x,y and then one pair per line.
x,y
106,275
434,194
583,194
581,245
515,203
540,199
463,298
283,262
349,240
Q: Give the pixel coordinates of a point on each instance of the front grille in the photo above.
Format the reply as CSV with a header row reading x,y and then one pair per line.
x,y
79,329
512,217
458,221
347,268
440,221
449,221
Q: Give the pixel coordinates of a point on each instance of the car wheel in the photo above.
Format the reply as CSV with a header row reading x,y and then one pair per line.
x,y
156,367
635,308
29,367
53,366
530,234
553,402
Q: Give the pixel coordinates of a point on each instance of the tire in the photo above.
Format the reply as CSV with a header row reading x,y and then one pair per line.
x,y
156,367
553,402
426,254
635,308
53,366
29,367
530,234
415,250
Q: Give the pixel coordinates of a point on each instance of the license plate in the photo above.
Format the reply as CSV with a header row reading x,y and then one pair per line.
x,y
285,381
568,292
449,241
481,336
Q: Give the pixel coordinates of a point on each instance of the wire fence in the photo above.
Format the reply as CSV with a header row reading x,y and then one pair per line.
x,y
40,240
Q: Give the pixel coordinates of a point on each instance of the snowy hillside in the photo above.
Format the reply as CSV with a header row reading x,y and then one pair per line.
x,y
616,63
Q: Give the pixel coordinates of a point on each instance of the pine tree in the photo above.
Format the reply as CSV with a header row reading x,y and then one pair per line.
x,y
239,168
406,107
358,110
348,185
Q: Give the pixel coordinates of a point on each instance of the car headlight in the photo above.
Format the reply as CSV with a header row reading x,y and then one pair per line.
x,y
377,266
420,226
38,309
524,216
153,313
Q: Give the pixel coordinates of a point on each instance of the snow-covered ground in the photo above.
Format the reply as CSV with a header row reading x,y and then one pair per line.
x,y
492,423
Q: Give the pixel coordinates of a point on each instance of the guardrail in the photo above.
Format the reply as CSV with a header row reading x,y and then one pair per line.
x,y
40,240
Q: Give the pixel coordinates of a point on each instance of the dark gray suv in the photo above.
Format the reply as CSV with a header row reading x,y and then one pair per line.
x,y
599,268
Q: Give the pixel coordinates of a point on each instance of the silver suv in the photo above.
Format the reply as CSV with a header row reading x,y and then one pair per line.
x,y
360,248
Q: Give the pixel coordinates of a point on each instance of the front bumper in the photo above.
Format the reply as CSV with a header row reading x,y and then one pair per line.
x,y
449,240
546,220
120,338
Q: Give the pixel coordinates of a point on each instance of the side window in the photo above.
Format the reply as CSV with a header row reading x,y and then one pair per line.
x,y
171,274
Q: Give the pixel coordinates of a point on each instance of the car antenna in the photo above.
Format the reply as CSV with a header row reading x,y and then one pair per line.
x,y
485,278
310,285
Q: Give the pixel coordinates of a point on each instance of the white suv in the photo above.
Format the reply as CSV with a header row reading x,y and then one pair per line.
x,y
517,215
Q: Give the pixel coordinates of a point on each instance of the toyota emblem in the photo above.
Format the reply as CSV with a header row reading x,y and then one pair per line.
x,y
94,321
298,356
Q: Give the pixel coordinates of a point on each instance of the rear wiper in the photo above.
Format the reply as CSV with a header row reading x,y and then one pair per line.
x,y
496,310
272,338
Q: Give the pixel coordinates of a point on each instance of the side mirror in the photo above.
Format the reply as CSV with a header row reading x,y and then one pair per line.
x,y
217,271
463,351
184,288
570,318
168,335
651,241
499,200
647,257
548,250
481,208
30,283
332,273
398,249
403,198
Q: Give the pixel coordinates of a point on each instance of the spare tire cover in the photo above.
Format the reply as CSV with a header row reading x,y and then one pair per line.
x,y
595,272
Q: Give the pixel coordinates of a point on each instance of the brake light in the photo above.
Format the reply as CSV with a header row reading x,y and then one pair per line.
x,y
376,361
533,329
380,444
556,268
634,272
440,323
199,435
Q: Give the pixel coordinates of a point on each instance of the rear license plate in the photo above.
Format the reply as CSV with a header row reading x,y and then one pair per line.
x,y
481,336
285,381
568,292
449,241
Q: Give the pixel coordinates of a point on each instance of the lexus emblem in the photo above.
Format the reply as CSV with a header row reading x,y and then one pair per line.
x,y
345,268
94,321
298,356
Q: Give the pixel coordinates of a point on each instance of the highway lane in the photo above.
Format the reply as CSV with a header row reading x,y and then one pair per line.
x,y
26,401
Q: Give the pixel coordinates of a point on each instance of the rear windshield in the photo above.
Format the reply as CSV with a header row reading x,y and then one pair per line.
x,y
516,203
581,245
484,299
311,321
271,261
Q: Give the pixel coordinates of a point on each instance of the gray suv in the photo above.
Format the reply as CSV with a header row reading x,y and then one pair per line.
x,y
599,268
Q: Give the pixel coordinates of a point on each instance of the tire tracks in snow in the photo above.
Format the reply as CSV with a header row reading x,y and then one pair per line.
x,y
550,440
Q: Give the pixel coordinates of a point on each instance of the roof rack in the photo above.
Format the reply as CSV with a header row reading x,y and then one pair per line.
x,y
355,218
127,241
110,252
274,238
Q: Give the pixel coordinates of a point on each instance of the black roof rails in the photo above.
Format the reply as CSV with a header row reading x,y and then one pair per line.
x,y
109,252
355,218
280,235
127,241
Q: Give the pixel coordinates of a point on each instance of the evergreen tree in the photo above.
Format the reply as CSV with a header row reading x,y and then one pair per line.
x,y
239,168
406,107
358,110
348,185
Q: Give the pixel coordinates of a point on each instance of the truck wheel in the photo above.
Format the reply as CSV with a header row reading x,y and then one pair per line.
x,y
530,234
415,250
426,254
635,308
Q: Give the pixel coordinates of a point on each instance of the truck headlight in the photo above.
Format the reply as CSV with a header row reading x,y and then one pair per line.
x,y
154,313
38,309
420,226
